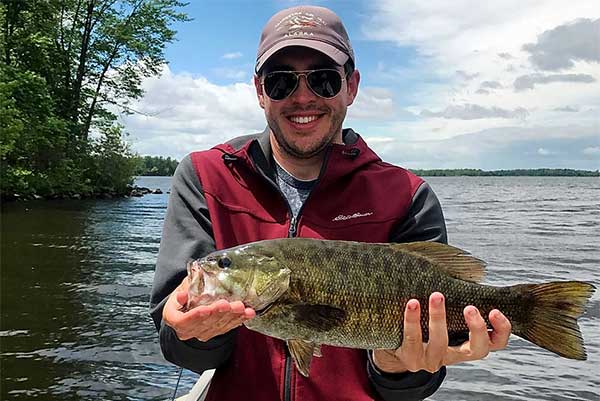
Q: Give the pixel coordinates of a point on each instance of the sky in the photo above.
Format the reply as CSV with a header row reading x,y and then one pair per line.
x,y
444,84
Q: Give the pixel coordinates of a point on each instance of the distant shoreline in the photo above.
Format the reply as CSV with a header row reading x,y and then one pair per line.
x,y
542,172
467,172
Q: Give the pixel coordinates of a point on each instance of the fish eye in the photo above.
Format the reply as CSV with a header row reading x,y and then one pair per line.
x,y
224,262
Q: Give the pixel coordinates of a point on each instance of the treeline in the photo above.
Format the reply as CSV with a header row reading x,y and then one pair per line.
x,y
541,172
67,69
156,165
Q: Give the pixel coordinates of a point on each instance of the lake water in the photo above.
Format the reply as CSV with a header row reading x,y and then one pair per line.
x,y
76,277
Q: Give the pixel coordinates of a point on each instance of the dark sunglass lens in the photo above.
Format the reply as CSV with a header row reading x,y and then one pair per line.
x,y
325,83
279,85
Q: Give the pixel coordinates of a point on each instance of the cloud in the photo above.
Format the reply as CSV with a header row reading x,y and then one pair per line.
x,y
560,47
545,152
191,113
231,56
466,76
485,86
491,85
474,111
568,109
499,148
455,46
529,81
376,103
461,33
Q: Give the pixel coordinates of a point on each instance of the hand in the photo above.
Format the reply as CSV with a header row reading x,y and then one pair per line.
x,y
414,355
206,321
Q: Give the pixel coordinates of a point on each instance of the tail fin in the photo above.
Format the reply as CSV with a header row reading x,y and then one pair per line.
x,y
553,321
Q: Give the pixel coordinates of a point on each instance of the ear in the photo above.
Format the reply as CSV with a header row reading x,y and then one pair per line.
x,y
259,91
353,82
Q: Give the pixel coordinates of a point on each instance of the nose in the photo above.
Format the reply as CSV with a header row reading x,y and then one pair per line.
x,y
303,93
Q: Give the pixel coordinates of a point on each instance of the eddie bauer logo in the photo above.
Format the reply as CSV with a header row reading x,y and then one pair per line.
x,y
343,217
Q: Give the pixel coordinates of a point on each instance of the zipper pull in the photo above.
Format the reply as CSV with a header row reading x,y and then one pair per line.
x,y
292,229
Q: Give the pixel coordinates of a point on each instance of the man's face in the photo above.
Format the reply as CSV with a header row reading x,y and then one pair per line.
x,y
303,124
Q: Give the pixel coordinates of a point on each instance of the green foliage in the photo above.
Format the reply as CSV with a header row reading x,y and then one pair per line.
x,y
111,164
157,165
33,138
67,68
541,172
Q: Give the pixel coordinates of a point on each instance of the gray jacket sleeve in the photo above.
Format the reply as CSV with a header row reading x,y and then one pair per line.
x,y
425,222
187,234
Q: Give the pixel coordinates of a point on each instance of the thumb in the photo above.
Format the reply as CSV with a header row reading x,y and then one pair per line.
x,y
181,296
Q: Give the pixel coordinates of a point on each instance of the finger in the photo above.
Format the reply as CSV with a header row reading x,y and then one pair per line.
x,y
249,313
479,340
221,306
181,297
412,343
216,324
225,322
199,313
186,323
237,307
502,329
438,332
179,292
172,310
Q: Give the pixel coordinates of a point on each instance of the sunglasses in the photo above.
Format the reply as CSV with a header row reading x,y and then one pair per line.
x,y
325,83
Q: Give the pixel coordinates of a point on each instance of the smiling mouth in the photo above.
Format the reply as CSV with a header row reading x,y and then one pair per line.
x,y
303,119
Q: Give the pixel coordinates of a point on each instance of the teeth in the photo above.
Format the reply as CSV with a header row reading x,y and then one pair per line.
x,y
303,120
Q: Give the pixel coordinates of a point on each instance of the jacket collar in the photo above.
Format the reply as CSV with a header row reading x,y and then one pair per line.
x,y
340,159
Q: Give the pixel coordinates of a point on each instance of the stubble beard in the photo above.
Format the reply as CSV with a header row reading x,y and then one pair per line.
x,y
306,153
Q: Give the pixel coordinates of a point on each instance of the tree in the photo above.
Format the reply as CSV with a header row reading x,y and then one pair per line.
x,y
157,166
68,67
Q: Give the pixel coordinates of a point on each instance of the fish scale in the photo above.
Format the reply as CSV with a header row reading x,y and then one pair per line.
x,y
349,294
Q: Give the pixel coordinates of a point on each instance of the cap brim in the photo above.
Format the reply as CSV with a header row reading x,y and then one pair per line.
x,y
330,51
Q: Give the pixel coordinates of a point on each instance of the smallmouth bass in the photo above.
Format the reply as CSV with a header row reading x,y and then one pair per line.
x,y
310,292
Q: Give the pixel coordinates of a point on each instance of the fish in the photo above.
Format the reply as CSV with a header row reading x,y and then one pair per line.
x,y
313,292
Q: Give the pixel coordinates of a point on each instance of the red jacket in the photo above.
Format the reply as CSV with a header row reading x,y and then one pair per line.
x,y
357,197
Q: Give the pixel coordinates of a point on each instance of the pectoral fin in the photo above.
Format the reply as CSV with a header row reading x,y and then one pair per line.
x,y
318,317
302,353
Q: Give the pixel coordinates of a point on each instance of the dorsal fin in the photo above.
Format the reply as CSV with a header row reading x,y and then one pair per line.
x,y
454,261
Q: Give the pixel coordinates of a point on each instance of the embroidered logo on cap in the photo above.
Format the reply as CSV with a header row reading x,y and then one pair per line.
x,y
299,23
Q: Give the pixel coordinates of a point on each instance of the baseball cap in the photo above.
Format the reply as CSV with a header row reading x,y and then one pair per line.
x,y
310,26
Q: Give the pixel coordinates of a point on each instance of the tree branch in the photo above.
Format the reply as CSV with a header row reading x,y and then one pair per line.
x,y
113,54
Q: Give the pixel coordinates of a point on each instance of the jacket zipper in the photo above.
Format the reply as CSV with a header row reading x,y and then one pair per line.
x,y
292,232
287,383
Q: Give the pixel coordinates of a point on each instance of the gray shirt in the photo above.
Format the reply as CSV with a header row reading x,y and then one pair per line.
x,y
295,191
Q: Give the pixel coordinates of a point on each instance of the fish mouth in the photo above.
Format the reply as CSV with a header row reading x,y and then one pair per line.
x,y
203,285
209,282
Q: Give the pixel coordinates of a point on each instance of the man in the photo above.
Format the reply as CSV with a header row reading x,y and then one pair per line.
x,y
303,176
